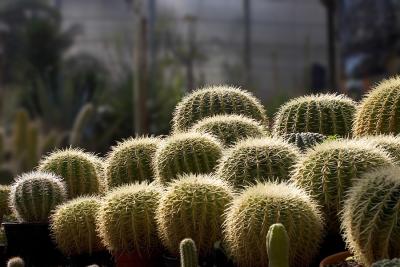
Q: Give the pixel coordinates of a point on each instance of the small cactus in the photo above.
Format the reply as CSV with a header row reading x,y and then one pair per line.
x,y
259,159
131,161
230,128
216,100
327,114
278,246
370,217
4,203
188,253
389,143
126,219
304,141
193,207
186,153
73,226
249,217
387,263
34,195
77,169
15,262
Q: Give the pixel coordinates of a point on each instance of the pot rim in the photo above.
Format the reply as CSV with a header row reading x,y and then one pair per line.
x,y
334,258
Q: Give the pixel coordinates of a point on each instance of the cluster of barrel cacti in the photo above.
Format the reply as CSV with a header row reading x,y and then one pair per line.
x,y
267,195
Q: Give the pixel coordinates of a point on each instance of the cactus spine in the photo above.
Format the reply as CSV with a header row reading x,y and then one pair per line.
x,y
255,160
327,114
186,153
305,141
389,143
15,262
387,263
34,195
216,100
4,203
188,253
277,246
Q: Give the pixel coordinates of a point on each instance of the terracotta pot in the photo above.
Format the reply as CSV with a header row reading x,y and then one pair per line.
x,y
335,258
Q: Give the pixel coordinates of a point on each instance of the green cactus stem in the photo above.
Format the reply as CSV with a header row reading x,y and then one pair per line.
x,y
188,253
278,246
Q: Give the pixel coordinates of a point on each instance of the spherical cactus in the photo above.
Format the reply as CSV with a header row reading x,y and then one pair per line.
x,y
73,226
304,141
216,100
389,143
329,170
193,207
252,213
387,263
277,246
370,218
34,195
230,128
130,161
126,219
254,160
188,253
378,112
186,153
4,203
77,169
15,262
326,114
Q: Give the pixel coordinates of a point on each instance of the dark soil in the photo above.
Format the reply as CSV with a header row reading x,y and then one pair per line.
x,y
347,263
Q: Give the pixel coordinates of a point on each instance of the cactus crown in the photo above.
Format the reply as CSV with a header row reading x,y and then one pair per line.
x,y
378,111
258,207
387,263
34,195
77,168
188,253
193,207
304,141
277,246
126,219
73,226
370,218
258,159
130,161
327,114
16,262
389,143
230,128
186,153
216,100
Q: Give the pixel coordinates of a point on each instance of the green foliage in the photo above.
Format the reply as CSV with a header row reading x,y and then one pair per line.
x,y
126,219
193,207
16,262
370,216
305,141
326,114
4,203
387,263
389,143
251,214
77,168
131,161
278,246
230,128
329,170
186,153
188,253
216,100
73,226
260,159
34,195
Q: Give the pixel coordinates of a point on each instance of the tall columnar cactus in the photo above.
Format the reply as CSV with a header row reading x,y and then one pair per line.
x,y
15,262
83,117
216,100
378,112
186,153
34,196
230,128
131,161
278,246
387,263
73,226
20,131
188,253
305,141
389,143
126,219
252,213
326,114
193,207
329,170
370,218
77,169
4,203
255,160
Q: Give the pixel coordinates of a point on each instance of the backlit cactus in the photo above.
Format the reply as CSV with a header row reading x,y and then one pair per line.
x,y
304,141
77,168
34,195
193,207
378,112
126,219
278,246
188,253
370,218
389,143
252,213
327,114
15,262
230,128
73,226
130,161
387,263
4,203
216,100
186,153
329,170
259,159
